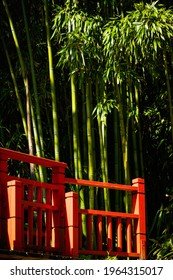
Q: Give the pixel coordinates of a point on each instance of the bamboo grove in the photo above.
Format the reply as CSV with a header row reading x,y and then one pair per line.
x,y
90,83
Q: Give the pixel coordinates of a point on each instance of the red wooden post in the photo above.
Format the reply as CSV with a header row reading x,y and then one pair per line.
x,y
139,208
15,220
90,232
3,201
99,232
71,233
129,235
48,228
80,230
39,232
119,235
109,226
30,229
48,219
58,199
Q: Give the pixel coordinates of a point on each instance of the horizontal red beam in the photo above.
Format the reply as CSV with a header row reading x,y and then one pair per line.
x,y
35,205
10,154
34,183
100,184
108,213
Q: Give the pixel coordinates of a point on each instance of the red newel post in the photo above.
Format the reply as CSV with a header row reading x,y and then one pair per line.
x,y
15,225
71,233
140,209
58,199
3,200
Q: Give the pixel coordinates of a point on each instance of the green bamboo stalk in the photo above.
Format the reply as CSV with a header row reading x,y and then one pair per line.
x,y
37,124
123,111
134,135
75,125
117,165
105,158
40,148
117,160
91,150
29,126
84,194
141,163
52,85
124,125
102,125
16,90
90,144
92,128
39,175
169,91
48,122
69,130
76,144
104,137
99,193
26,85
84,130
23,70
76,149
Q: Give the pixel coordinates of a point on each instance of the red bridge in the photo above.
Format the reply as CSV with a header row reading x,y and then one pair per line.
x,y
44,218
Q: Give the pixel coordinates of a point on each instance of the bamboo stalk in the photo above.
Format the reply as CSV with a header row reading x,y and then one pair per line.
x,y
124,133
16,90
90,145
52,85
37,125
29,127
38,114
141,164
117,160
24,76
169,91
75,125
76,149
102,124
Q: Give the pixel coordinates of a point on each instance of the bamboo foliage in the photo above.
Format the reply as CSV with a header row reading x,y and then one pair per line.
x,y
80,50
153,25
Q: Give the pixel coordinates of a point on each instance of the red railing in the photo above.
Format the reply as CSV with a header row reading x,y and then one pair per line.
x,y
31,212
125,232
42,217
36,216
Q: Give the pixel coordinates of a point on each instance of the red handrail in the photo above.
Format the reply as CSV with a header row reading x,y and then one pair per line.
x,y
43,209
65,233
98,184
135,228
10,154
8,200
